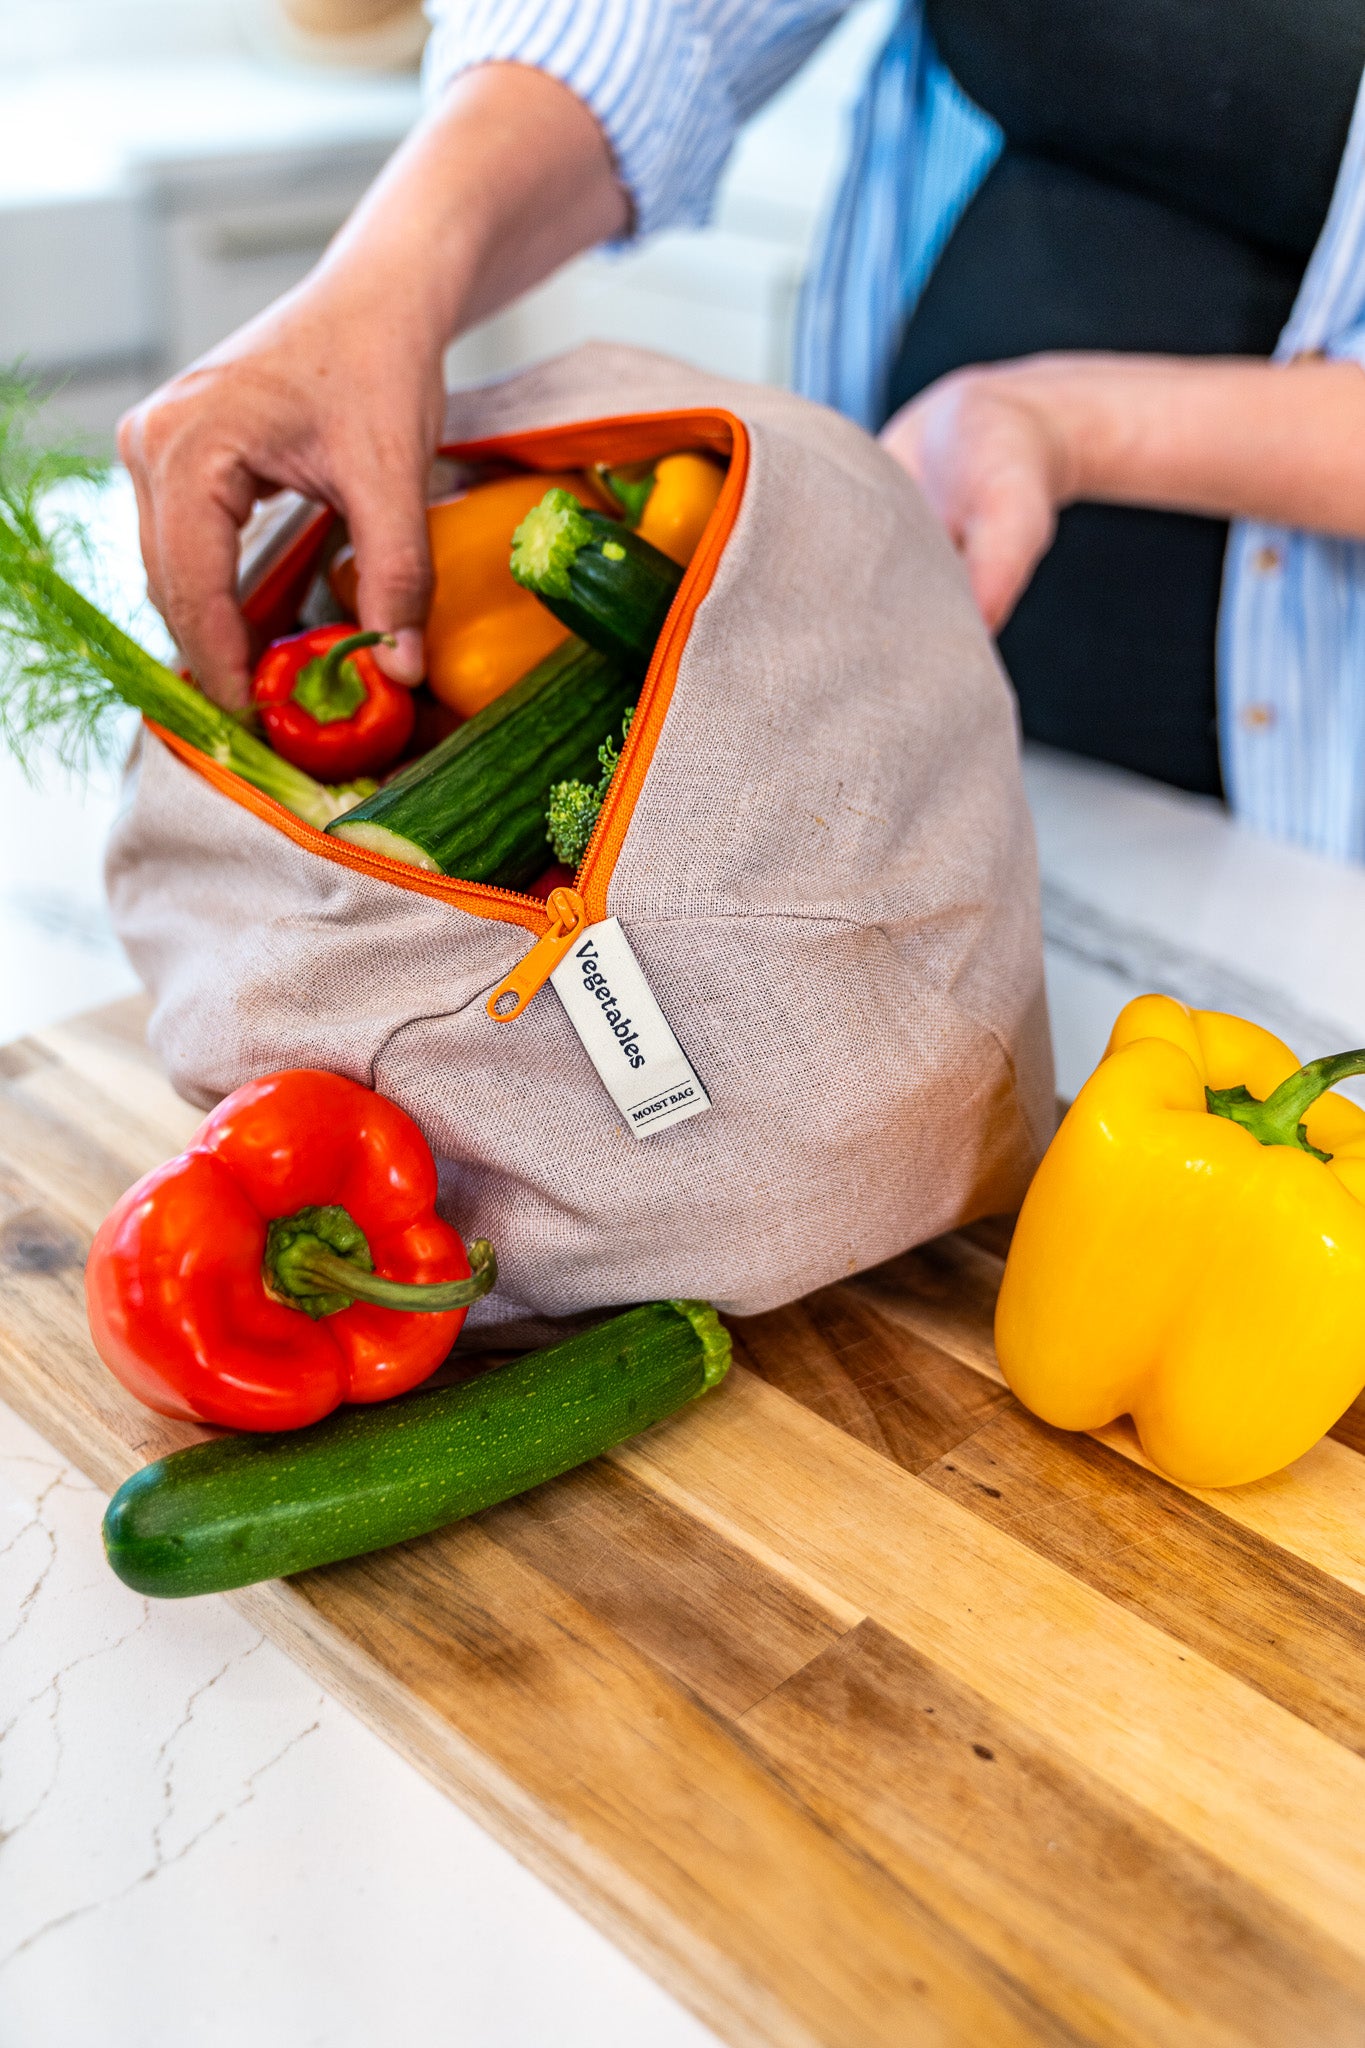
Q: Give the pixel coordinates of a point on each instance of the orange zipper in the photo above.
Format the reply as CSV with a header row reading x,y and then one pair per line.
x,y
533,970
618,806
633,438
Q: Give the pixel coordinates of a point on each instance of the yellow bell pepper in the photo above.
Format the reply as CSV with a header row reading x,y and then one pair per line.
x,y
668,502
1192,1249
684,496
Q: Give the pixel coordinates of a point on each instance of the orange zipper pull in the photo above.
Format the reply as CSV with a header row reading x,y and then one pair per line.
x,y
568,915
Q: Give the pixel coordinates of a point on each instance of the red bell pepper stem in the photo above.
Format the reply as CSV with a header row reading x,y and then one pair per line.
x,y
328,687
325,1269
318,1260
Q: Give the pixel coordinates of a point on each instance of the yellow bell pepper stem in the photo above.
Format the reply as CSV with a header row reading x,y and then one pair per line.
x,y
1191,1252
667,502
1279,1119
629,488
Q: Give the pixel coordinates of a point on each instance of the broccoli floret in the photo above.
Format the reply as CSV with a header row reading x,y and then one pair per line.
x,y
574,805
570,819
608,754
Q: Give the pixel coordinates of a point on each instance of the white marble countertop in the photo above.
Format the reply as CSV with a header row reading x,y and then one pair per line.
x,y
198,1846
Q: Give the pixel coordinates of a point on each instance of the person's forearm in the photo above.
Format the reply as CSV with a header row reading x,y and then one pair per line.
x,y
336,391
1228,437
505,179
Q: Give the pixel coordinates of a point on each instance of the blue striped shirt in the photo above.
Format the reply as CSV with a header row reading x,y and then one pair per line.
x,y
671,81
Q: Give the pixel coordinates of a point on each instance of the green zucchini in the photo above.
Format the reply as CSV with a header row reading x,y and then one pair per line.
x,y
475,805
606,584
246,1508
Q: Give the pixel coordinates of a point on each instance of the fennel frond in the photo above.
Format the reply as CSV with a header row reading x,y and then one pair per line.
x,y
66,669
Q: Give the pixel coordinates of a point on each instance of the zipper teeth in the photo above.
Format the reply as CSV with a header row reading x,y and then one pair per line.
x,y
642,736
642,725
606,810
400,871
440,888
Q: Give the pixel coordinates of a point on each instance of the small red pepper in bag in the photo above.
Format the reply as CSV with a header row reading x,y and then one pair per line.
x,y
270,1272
327,706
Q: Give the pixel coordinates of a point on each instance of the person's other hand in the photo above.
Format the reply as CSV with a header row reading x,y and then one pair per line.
x,y
993,465
999,451
318,395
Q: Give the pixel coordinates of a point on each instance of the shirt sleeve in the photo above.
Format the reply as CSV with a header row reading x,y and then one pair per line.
x,y
1349,346
670,81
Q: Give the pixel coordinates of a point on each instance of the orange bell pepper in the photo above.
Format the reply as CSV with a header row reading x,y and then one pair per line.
x,y
684,496
483,632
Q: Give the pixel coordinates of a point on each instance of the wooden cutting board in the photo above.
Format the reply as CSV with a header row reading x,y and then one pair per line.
x,y
855,1704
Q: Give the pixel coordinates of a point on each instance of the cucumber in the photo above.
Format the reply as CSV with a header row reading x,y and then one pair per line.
x,y
475,805
246,1508
605,583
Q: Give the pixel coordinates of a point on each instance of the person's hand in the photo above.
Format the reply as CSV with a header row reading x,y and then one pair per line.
x,y
322,395
999,451
336,391
993,463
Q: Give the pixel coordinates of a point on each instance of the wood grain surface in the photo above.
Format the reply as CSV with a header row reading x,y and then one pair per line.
x,y
860,1707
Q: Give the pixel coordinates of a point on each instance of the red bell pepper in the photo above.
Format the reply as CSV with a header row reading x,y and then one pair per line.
x,y
556,877
270,1272
327,706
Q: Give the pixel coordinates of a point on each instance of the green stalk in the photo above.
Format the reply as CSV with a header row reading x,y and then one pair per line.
x,y
631,492
1279,1119
65,666
329,688
38,602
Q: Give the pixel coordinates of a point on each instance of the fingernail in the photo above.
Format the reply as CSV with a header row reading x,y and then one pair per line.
x,y
404,659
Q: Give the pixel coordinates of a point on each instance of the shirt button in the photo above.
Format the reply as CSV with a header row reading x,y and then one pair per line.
x,y
1256,717
1266,560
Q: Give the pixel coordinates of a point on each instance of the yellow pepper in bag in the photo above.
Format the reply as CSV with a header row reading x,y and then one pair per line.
x,y
1192,1249
668,502
684,496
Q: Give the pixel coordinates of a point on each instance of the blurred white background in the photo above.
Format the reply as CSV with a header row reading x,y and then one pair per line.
x,y
168,167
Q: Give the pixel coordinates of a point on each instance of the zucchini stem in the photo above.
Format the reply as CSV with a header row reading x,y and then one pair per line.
x,y
546,542
715,1340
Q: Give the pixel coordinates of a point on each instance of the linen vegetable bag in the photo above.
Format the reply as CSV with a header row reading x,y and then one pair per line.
x,y
819,852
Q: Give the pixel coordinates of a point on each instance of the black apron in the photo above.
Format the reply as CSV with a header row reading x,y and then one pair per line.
x,y
1167,170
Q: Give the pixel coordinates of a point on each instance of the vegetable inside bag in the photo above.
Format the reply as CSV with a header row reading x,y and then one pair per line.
x,y
815,850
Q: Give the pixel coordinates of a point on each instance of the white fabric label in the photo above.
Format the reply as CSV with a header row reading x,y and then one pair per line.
x,y
628,1038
